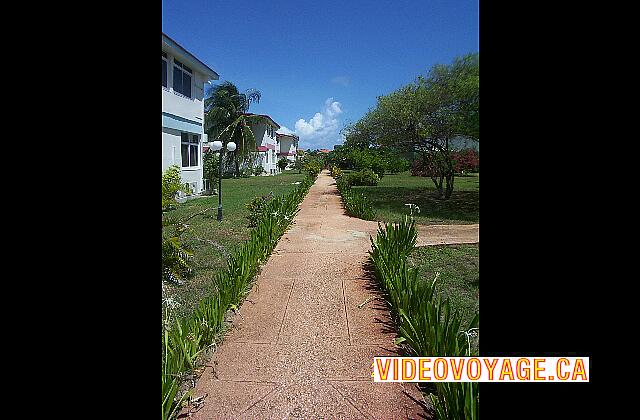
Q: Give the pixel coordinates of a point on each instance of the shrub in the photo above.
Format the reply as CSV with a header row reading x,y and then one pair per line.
x,y
336,172
283,163
365,177
380,160
258,170
176,257
360,159
356,204
211,167
378,167
465,160
298,164
428,326
397,165
313,166
171,185
256,208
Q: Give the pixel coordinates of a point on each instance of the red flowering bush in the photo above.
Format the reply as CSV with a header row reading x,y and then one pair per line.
x,y
466,160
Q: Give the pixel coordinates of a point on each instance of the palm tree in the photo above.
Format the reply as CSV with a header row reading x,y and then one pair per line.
x,y
226,118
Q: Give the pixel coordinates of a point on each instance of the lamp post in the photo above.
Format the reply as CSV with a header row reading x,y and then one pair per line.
x,y
216,146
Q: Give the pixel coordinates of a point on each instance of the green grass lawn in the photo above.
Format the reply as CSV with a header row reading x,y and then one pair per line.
x,y
210,240
394,191
459,274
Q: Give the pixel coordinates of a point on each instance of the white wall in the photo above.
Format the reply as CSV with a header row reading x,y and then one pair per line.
x,y
263,139
287,145
178,104
189,108
171,155
170,148
182,107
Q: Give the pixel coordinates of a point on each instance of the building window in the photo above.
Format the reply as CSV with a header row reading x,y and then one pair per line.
x,y
189,149
164,69
181,78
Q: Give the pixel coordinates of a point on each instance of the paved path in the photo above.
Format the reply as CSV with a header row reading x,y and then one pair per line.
x,y
300,346
447,234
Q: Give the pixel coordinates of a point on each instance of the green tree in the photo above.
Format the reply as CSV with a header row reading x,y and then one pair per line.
x,y
226,119
425,116
298,164
282,163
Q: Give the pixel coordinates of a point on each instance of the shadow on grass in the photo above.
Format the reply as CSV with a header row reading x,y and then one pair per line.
x,y
389,203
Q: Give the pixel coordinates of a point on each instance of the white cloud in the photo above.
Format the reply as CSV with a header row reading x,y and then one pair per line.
x,y
322,130
285,130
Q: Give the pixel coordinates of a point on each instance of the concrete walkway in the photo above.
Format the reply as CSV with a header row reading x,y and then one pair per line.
x,y
447,234
301,347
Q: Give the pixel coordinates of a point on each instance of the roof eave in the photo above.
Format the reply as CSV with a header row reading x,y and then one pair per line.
x,y
264,116
201,67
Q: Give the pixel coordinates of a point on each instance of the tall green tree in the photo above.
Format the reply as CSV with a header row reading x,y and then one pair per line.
x,y
226,118
425,116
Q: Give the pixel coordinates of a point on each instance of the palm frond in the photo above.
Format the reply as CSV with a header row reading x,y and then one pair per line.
x,y
252,95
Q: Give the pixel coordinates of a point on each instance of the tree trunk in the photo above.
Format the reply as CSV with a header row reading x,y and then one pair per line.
x,y
437,181
449,186
449,174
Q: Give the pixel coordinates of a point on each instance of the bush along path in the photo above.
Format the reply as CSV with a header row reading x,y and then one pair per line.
x,y
185,339
427,325
303,341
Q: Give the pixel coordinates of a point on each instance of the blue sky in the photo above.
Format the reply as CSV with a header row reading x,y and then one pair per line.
x,y
321,65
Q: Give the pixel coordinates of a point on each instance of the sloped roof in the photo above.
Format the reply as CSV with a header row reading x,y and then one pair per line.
x,y
203,68
265,116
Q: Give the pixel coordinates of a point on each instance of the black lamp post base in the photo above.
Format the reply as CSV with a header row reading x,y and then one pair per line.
x,y
219,213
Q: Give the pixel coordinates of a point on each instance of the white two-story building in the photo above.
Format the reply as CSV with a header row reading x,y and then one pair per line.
x,y
183,79
266,144
287,146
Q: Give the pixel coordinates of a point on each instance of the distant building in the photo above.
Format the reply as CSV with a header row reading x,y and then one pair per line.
x,y
287,146
324,151
266,143
459,143
183,80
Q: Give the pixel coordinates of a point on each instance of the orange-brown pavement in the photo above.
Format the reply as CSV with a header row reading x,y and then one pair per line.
x,y
301,347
